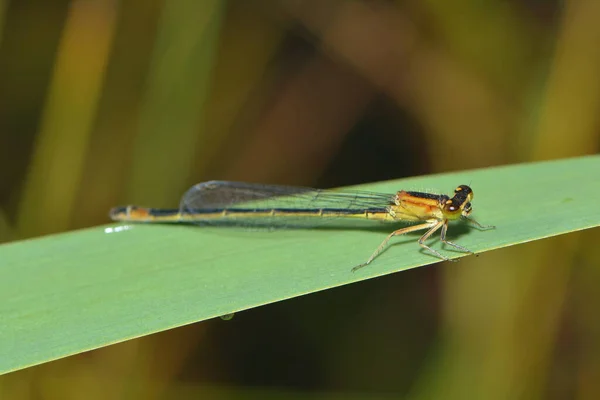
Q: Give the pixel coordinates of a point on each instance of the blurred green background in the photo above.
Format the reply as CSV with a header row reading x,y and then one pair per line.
x,y
113,102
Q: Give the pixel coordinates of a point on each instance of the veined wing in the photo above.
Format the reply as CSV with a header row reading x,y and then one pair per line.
x,y
246,204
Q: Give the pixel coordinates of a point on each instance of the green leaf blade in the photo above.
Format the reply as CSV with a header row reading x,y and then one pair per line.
x,y
69,293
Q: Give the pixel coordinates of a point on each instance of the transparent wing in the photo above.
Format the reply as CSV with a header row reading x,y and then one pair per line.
x,y
258,205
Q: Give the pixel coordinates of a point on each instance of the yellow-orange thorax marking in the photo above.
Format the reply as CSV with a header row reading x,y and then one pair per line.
x,y
412,206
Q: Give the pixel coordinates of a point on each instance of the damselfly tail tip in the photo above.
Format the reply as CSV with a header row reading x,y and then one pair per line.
x,y
129,213
118,213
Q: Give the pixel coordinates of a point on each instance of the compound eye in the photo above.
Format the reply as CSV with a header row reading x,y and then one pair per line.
x,y
452,208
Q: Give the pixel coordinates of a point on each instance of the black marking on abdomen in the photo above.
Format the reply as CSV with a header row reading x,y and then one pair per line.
x,y
163,212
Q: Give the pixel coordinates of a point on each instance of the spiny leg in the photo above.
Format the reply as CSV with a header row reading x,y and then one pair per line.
x,y
457,246
434,228
484,227
402,231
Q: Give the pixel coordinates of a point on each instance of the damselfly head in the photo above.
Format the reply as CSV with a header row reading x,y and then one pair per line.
x,y
460,204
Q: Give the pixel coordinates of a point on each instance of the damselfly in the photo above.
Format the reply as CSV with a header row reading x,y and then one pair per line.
x,y
225,203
